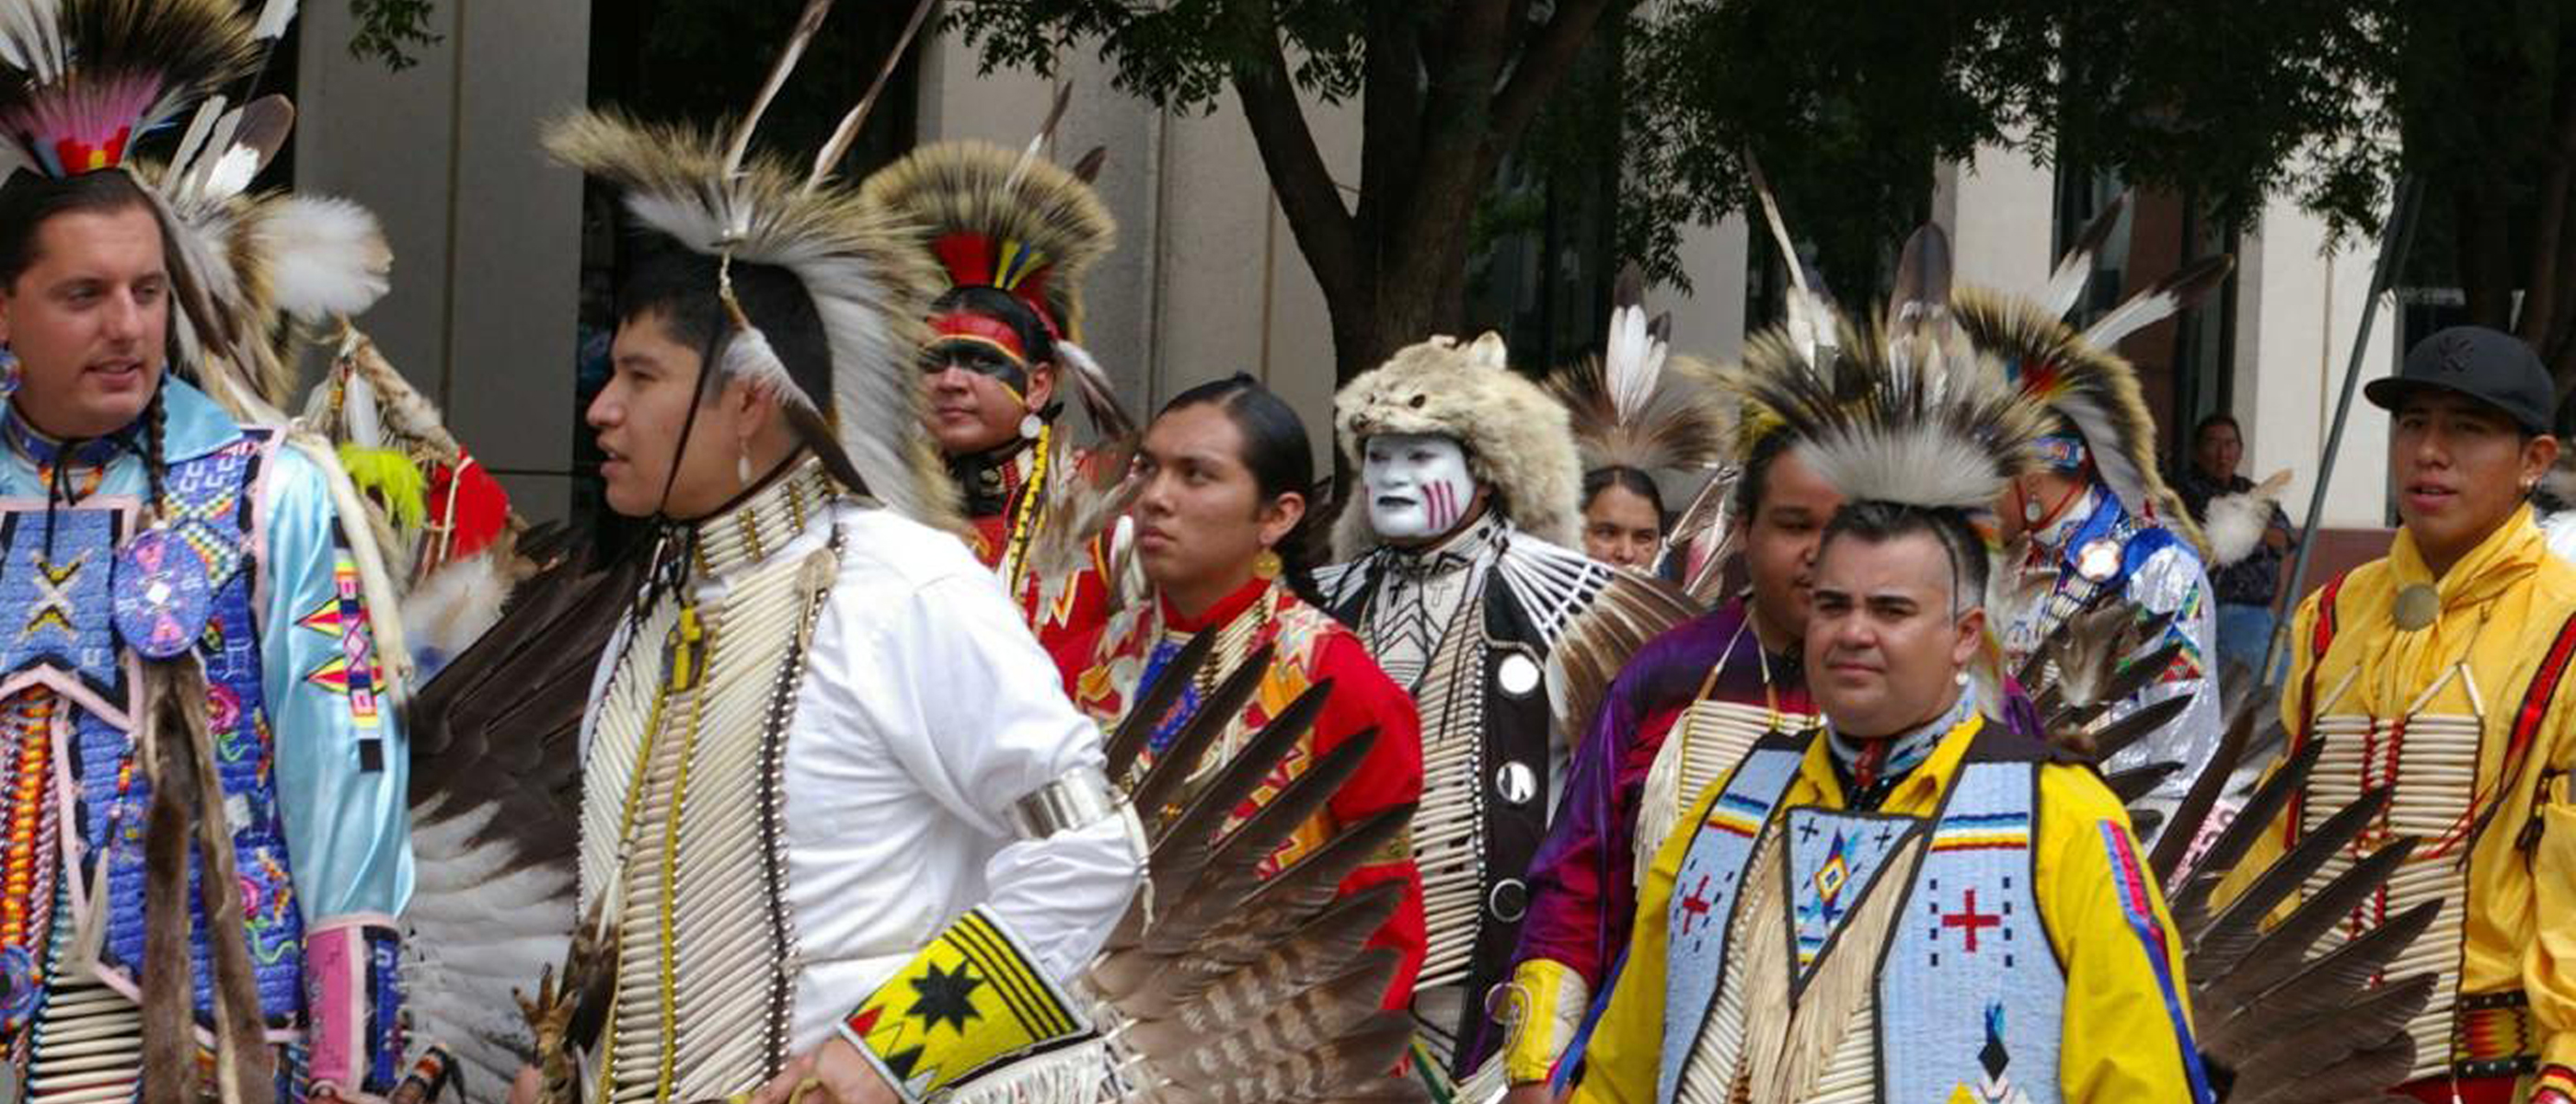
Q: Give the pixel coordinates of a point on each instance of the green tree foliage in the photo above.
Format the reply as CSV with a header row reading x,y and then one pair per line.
x,y
1445,90
388,30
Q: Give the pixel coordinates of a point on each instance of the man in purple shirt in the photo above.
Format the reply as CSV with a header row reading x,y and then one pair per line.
x,y
1680,714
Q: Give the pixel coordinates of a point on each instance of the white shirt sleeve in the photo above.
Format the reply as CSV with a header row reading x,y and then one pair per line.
x,y
973,711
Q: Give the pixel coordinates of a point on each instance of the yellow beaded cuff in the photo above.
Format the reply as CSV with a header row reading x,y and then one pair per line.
x,y
1541,1008
969,1001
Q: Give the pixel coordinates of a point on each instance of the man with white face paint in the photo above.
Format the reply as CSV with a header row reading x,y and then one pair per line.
x,y
1418,486
1457,573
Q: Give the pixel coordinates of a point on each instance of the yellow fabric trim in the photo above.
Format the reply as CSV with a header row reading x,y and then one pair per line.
x,y
2115,1046
968,1001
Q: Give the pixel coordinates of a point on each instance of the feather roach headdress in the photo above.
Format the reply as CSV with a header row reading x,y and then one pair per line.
x,y
1010,219
854,258
1017,222
92,77
2077,374
1903,410
1637,405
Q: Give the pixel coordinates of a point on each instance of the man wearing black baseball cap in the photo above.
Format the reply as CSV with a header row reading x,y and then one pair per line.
x,y
2436,673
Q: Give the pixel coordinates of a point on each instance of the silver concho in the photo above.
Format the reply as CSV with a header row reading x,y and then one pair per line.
x,y
2098,560
2416,606
1516,783
1518,675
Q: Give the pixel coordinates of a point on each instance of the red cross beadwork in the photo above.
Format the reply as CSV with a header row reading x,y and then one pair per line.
x,y
1970,921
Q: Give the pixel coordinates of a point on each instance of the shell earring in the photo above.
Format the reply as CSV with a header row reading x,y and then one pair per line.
x,y
1030,426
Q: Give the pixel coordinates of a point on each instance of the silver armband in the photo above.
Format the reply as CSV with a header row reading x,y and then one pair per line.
x,y
1079,799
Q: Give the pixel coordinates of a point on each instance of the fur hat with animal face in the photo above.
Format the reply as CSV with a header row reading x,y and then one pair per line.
x,y
1518,440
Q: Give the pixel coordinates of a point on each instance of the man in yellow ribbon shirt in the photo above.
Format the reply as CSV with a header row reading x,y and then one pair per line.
x,y
1917,901
2436,671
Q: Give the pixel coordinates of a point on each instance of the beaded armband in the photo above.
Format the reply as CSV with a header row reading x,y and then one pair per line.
x,y
352,972
1540,1008
969,1001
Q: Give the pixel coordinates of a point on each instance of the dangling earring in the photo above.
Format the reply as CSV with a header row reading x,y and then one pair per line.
x,y
742,464
2030,511
1266,566
1030,426
9,372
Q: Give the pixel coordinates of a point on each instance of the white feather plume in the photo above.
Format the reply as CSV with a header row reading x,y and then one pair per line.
x,y
472,934
273,19
749,357
358,412
451,608
328,256
2236,522
1633,360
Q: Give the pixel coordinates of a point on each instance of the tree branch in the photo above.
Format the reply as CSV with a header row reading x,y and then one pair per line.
x,y
1391,114
2545,311
1305,188
1541,69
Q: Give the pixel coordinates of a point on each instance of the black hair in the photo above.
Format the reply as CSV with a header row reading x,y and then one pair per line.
x,y
1626,478
680,287
1008,309
1281,459
1875,522
1749,484
2201,428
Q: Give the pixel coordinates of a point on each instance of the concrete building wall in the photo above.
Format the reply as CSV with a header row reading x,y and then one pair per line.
x,y
1998,209
485,230
2298,314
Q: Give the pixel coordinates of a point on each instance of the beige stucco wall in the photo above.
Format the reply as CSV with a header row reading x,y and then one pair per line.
x,y
2298,314
1207,281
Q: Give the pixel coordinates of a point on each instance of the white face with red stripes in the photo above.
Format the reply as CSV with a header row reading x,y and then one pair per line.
x,y
1418,486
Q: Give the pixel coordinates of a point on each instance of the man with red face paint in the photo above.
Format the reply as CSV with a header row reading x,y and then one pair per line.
x,y
1012,234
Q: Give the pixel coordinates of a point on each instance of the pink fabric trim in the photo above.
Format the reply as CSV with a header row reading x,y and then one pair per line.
x,y
335,967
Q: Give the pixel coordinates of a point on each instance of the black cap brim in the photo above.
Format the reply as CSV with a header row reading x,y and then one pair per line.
x,y
2390,392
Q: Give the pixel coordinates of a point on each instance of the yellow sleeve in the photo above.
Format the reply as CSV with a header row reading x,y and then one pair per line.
x,y
1625,1057
2549,962
2126,1035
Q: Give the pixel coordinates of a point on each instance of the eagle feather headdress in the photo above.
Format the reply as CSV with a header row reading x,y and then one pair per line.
x,y
1016,221
1639,405
1902,409
2077,372
852,255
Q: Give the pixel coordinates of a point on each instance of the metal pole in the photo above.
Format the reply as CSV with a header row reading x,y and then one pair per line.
x,y
2395,239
